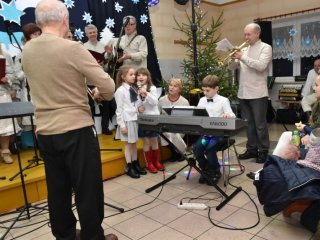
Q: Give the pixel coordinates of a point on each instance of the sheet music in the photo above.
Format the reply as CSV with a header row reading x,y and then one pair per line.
x,y
224,45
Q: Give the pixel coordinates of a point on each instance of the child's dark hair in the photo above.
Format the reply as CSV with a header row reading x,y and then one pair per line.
x,y
211,81
123,70
145,71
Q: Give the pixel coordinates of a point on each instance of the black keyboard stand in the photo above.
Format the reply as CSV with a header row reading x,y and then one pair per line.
x,y
114,207
192,163
13,110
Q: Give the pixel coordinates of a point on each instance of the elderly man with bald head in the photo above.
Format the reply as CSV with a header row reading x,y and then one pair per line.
x,y
58,71
253,63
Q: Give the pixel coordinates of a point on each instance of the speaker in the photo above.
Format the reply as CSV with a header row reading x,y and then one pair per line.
x,y
266,31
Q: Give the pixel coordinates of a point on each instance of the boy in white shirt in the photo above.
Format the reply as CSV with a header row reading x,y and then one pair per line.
x,y
205,149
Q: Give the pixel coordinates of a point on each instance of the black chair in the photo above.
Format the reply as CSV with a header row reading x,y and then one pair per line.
x,y
225,162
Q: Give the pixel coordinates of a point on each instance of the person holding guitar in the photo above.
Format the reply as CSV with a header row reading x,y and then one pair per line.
x,y
129,49
93,45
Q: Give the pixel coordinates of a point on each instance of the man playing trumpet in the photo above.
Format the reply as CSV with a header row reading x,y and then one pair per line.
x,y
253,63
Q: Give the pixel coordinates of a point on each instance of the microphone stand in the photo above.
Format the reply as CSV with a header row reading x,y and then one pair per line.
x,y
10,33
195,68
35,159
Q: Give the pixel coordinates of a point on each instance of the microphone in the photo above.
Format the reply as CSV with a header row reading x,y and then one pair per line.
x,y
8,30
126,22
140,85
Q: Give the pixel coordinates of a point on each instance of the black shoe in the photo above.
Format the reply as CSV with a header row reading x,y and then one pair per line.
x,y
107,132
176,157
251,175
262,157
131,171
202,180
137,167
248,154
111,236
213,176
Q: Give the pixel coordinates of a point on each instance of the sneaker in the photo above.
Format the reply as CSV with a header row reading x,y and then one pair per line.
x,y
248,154
6,156
213,177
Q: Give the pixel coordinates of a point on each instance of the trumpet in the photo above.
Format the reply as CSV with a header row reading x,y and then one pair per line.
x,y
227,58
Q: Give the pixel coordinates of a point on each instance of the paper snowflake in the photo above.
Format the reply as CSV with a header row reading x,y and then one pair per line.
x,y
290,56
78,33
118,7
293,32
106,35
278,42
135,1
110,23
87,17
104,1
9,12
143,18
307,41
69,3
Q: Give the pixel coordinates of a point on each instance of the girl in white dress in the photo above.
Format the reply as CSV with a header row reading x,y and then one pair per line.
x,y
9,85
127,115
149,100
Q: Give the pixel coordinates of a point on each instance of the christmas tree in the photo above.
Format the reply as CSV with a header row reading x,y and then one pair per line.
x,y
208,60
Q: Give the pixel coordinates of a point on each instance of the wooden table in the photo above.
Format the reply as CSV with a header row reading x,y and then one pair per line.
x,y
290,103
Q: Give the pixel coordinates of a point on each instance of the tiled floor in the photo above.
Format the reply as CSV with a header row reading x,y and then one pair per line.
x,y
155,216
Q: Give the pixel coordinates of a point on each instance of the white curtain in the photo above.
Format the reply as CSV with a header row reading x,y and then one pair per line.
x,y
296,40
310,39
282,42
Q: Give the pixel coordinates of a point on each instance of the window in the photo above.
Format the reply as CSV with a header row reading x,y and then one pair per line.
x,y
296,44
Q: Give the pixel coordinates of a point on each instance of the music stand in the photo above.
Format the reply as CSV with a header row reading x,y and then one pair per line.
x,y
192,111
34,162
13,110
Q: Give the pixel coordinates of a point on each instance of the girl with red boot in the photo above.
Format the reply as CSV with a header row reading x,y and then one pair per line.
x,y
149,101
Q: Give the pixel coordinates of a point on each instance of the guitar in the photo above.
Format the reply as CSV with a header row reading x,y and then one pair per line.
x,y
113,64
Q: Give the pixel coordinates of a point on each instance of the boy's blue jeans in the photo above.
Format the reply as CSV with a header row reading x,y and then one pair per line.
x,y
205,151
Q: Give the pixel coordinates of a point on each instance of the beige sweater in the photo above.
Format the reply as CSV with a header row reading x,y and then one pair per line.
x,y
57,70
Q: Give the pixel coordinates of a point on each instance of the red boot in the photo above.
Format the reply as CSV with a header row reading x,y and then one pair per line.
x,y
156,160
148,157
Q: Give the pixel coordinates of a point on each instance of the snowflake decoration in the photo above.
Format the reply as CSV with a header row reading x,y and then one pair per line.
x,y
118,7
106,35
69,3
278,42
9,12
87,17
104,1
110,23
143,18
307,41
290,56
78,33
293,32
135,1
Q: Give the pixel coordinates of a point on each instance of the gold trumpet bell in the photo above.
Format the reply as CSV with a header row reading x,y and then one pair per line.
x,y
221,64
227,58
195,91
